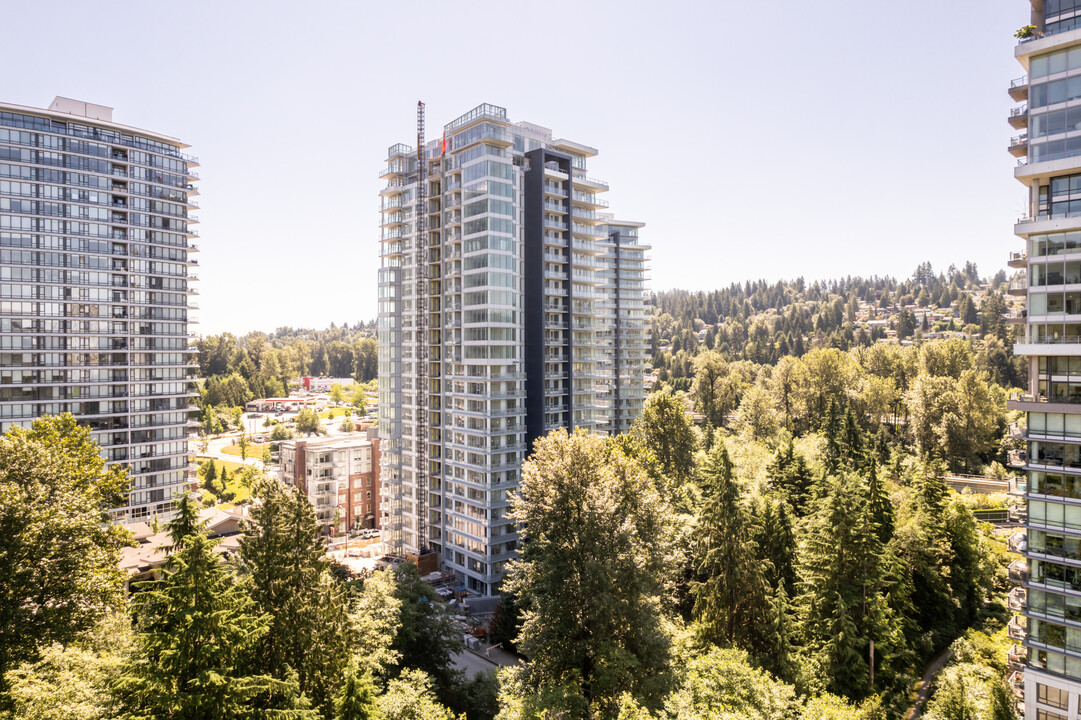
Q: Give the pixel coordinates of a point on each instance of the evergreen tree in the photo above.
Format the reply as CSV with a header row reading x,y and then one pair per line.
x,y
284,556
777,653
198,626
731,595
853,440
833,430
879,504
593,576
1002,701
844,591
426,640
356,699
789,475
776,540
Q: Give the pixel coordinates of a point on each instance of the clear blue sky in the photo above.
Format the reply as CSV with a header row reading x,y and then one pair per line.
x,y
756,140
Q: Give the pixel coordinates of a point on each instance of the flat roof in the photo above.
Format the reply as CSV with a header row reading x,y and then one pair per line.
x,y
68,117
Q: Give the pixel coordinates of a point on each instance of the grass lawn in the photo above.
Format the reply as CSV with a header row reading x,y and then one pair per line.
x,y
234,484
255,450
334,412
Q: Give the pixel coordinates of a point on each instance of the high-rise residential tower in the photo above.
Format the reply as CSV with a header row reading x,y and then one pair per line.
x,y
95,254
509,304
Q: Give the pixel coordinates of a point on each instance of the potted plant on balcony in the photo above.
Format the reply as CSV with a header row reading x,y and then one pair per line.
x,y
1026,32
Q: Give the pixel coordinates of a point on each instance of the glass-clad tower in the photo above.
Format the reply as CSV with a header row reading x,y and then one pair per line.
x,y
95,254
510,304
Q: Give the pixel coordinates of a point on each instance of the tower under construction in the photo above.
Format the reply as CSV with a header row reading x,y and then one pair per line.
x,y
510,304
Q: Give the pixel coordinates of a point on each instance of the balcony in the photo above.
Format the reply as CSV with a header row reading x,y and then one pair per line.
x,y
1017,260
1019,146
1017,628
1018,286
1016,681
1017,657
1017,316
1018,542
1017,571
1016,458
1019,117
1017,513
1019,89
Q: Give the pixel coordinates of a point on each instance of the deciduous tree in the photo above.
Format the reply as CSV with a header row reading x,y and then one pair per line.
x,y
59,558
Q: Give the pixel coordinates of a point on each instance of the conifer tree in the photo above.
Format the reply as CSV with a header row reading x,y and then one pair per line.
x,y
880,506
853,440
790,476
731,594
1002,701
777,653
833,430
283,554
776,540
356,699
844,590
593,575
198,626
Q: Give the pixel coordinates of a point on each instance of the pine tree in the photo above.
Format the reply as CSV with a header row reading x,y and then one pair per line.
x,y
283,554
731,595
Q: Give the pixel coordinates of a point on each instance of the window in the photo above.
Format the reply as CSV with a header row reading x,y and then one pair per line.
x,y
1053,696
1048,715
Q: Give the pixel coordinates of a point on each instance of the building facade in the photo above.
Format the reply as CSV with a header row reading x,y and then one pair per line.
x,y
1046,658
510,304
340,476
95,288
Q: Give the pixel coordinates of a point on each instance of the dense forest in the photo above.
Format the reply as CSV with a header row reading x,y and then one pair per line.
x,y
260,365
709,573
774,539
763,322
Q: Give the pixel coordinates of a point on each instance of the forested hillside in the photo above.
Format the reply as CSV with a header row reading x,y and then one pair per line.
x,y
763,322
261,365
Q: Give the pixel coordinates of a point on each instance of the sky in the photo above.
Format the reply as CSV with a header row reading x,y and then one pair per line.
x,y
755,140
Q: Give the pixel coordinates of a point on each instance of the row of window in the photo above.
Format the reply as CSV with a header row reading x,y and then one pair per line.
x,y
43,124
84,147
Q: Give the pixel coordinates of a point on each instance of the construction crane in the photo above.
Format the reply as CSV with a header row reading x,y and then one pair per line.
x,y
420,337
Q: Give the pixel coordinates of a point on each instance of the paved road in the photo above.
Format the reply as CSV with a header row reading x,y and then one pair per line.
x,y
474,664
214,450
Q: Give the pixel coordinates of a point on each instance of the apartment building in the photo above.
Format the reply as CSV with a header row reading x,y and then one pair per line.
x,y
1046,658
96,256
510,304
339,474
